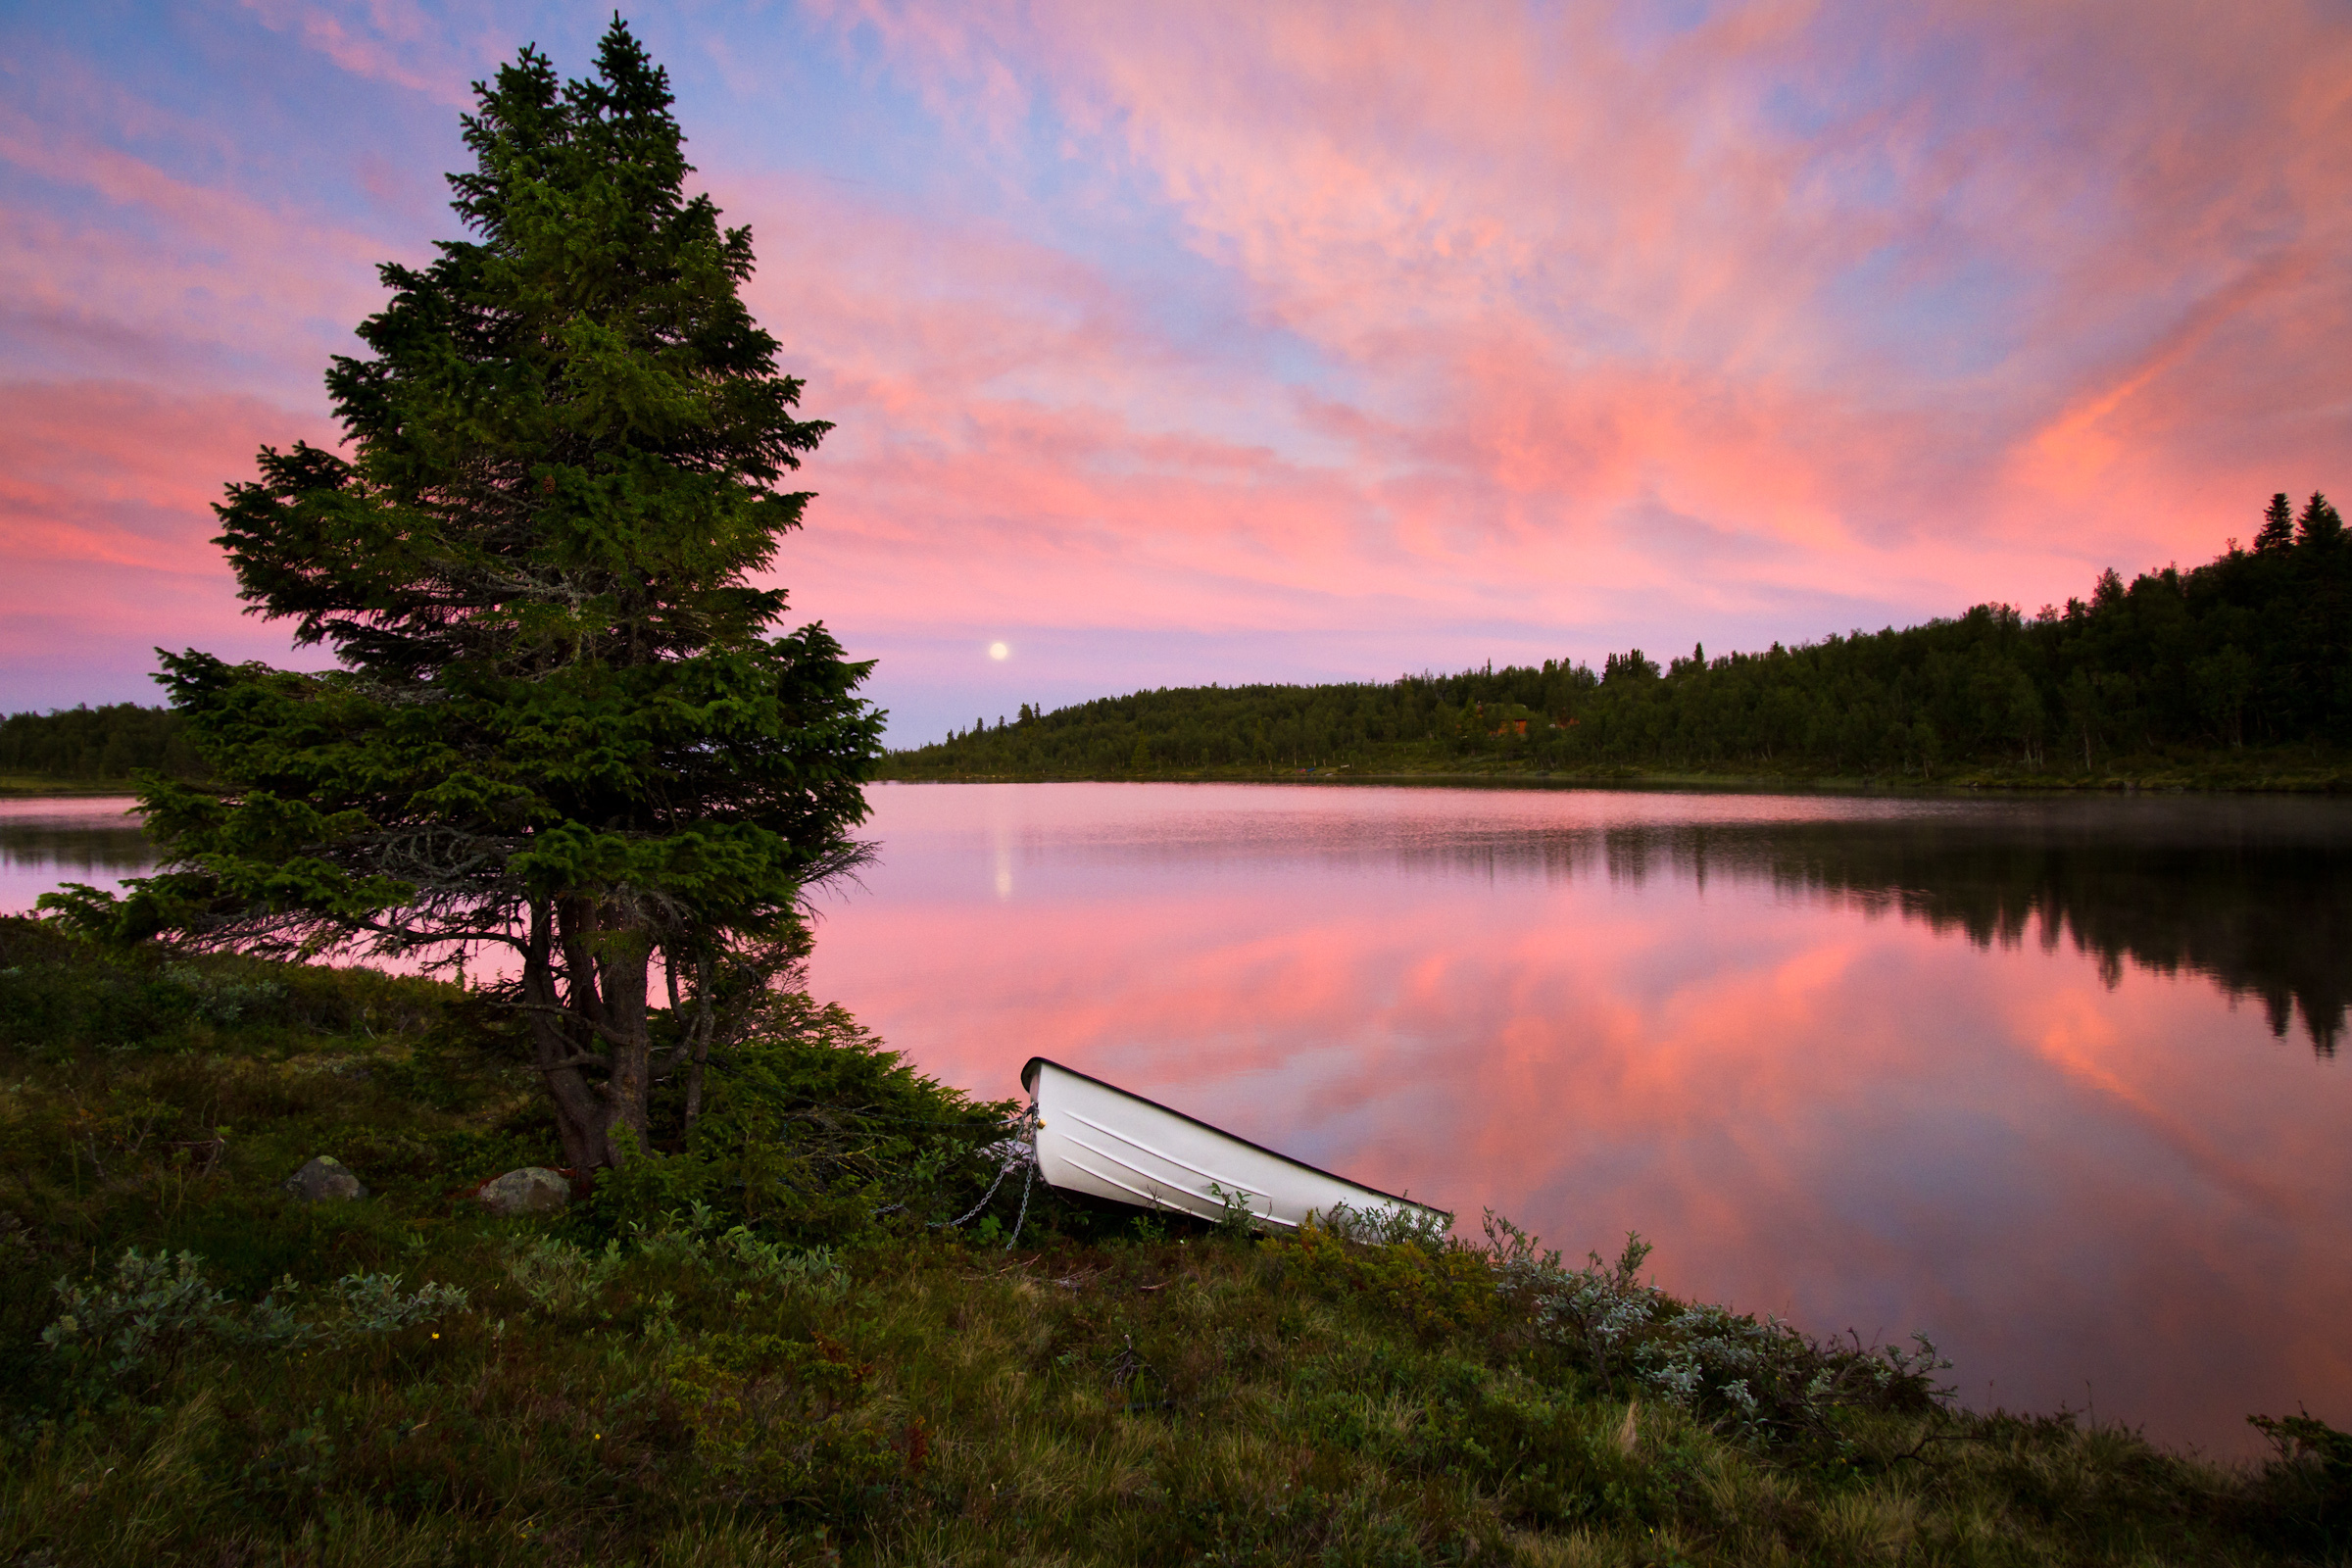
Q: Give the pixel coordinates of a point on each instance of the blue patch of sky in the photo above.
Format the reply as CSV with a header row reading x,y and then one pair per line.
x,y
791,95
1800,114
1086,200
1063,189
1941,317
1557,296
219,102
1650,25
1945,299
268,115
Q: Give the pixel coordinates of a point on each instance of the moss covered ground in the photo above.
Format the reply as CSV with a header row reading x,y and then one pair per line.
x,y
760,1349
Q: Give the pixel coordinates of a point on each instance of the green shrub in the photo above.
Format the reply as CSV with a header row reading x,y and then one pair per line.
x,y
1764,1376
2306,1490
132,1329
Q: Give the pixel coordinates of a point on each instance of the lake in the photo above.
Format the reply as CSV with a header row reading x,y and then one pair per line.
x,y
2053,1081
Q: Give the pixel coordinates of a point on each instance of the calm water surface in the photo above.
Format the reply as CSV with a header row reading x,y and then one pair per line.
x,y
2053,1081
46,842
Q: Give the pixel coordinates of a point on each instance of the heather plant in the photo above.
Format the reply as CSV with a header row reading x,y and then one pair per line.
x,y
1422,1275
1389,1225
691,1238
557,1276
2307,1491
1759,1376
152,1311
353,1308
219,998
812,1270
155,1310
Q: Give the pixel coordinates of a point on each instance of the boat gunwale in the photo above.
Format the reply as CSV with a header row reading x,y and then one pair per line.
x,y
1028,1085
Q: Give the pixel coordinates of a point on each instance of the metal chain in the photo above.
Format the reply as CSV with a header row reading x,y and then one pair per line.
x,y
1024,1214
952,1224
1023,1158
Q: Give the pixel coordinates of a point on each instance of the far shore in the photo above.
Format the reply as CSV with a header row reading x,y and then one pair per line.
x,y
35,786
2269,775
2155,778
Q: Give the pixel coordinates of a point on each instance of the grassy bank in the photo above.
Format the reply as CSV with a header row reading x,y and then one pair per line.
x,y
731,1358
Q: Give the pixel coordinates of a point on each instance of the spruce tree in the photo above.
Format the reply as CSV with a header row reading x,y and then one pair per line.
x,y
563,724
2320,525
2277,526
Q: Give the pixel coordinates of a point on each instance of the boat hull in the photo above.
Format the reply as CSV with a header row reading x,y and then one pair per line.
x,y
1099,1139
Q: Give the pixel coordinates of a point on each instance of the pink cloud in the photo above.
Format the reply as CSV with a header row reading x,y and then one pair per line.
x,y
106,524
155,263
1576,272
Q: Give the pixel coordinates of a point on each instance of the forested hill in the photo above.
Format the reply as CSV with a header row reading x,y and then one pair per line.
x,y
2239,671
87,744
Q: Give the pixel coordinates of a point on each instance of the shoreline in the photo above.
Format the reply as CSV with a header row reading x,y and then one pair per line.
x,y
1964,786
37,787
2157,778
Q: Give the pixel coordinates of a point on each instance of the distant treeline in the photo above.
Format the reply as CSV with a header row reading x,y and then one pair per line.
x,y
107,742
2252,649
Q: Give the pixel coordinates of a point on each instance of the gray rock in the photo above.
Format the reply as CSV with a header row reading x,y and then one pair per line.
x,y
532,1190
325,1179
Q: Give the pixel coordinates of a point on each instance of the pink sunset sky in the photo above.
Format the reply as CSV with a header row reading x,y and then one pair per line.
x,y
1171,344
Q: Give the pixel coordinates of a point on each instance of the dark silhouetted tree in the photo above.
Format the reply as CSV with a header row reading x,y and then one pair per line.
x,y
2320,525
2277,526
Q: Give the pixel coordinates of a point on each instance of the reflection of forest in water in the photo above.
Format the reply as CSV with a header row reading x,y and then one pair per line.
x,y
111,843
2255,895
2261,917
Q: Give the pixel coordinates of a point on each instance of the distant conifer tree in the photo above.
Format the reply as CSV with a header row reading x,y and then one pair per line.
x,y
2320,524
2277,526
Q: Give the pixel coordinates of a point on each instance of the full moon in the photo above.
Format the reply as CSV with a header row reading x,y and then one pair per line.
x,y
999,651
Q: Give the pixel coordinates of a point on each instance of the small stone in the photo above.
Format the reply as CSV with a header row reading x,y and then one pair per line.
x,y
325,1179
532,1190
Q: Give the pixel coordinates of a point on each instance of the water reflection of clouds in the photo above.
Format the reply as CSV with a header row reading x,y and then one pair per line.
x,y
1815,1108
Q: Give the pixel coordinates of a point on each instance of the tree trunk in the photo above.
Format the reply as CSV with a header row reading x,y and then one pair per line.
x,y
706,1020
590,1037
554,1052
624,962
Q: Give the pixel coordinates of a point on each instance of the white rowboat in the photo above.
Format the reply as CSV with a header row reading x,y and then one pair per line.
x,y
1096,1138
